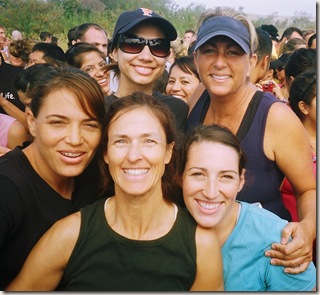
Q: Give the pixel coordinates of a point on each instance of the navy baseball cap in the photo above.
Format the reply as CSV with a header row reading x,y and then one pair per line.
x,y
280,62
129,19
224,26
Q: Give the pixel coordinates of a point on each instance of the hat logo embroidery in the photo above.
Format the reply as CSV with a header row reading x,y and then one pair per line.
x,y
146,11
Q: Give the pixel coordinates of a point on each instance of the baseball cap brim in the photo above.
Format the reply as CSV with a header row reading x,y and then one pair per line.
x,y
129,19
224,26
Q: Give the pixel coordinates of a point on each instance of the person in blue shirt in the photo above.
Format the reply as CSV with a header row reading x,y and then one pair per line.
x,y
245,231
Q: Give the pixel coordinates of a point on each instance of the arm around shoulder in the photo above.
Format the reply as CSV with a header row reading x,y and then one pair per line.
x,y
287,143
209,275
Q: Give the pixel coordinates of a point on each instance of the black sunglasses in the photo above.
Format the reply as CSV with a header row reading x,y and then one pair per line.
x,y
133,44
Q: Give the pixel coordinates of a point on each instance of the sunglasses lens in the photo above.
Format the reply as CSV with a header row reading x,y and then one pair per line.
x,y
159,47
133,45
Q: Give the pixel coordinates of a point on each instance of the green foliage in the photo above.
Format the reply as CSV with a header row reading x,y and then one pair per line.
x,y
58,16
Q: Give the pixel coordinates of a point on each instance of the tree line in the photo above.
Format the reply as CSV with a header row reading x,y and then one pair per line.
x,y
58,16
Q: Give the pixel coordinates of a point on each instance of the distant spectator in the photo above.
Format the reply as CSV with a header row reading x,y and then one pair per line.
x,y
4,42
301,60
9,99
263,53
71,36
178,48
45,37
94,34
312,41
190,36
306,34
16,35
91,60
47,53
54,40
273,33
289,33
272,30
293,44
19,51
26,80
183,78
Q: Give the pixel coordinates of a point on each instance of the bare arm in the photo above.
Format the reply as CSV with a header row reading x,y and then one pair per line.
x,y
209,275
17,135
45,264
287,143
13,111
3,150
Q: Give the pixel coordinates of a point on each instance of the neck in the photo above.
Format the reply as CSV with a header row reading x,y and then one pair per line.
x,y
226,226
139,217
222,109
311,130
64,186
127,87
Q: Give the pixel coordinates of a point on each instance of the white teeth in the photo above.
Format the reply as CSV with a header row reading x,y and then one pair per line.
x,y
178,96
208,206
143,69
136,171
102,81
71,155
220,77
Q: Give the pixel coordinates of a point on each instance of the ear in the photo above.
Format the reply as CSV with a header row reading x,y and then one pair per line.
x,y
105,157
242,179
169,152
303,107
290,80
253,58
31,121
266,63
195,60
114,54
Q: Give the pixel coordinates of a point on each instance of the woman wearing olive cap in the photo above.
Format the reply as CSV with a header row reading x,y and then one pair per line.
x,y
224,57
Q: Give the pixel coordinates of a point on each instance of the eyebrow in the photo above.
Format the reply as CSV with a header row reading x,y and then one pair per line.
x,y
66,118
205,169
143,135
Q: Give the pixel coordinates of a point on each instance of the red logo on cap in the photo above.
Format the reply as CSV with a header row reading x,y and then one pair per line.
x,y
147,11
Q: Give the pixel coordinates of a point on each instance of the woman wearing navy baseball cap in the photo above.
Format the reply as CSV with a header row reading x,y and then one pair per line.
x,y
140,45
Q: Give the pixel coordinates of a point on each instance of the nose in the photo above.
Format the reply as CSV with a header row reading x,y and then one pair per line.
x,y
211,189
74,136
100,47
146,53
176,86
100,72
134,152
220,60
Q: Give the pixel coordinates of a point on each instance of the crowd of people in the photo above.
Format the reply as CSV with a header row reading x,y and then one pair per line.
x,y
148,161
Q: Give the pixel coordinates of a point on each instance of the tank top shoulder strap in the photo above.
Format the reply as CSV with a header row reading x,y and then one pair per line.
x,y
249,114
199,111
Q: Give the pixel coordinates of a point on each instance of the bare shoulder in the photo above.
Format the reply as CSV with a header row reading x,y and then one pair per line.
x,y
207,237
68,227
282,113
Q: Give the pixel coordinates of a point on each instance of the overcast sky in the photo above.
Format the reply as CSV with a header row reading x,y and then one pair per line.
x,y
260,7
